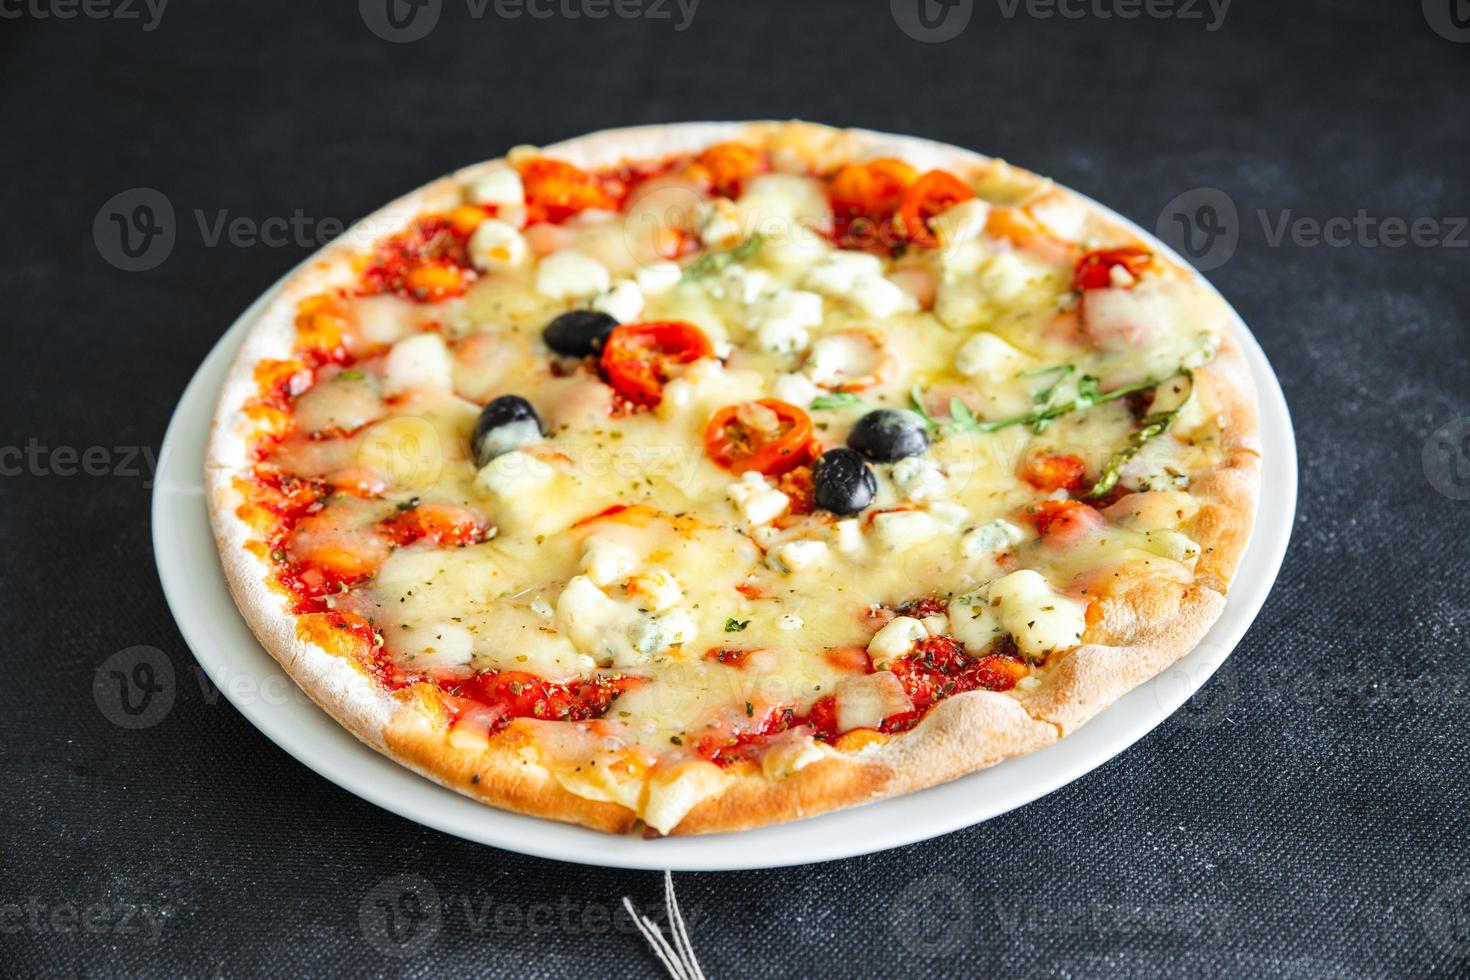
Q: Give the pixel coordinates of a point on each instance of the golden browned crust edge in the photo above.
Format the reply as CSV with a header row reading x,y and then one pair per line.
x,y
961,735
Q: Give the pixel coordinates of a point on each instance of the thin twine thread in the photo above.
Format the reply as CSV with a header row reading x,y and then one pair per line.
x,y
677,958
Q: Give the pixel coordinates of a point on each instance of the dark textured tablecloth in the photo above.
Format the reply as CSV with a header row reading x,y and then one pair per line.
x,y
1305,816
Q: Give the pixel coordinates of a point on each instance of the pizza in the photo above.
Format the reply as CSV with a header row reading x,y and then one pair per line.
x,y
694,478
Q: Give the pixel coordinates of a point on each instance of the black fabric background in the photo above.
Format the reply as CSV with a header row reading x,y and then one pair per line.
x,y
1305,816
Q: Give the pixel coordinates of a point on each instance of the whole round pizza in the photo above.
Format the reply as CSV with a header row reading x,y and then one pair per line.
x,y
694,478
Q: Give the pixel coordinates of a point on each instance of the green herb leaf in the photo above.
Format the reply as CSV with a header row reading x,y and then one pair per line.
x,y
837,399
409,504
733,625
353,374
916,402
961,413
1153,426
715,261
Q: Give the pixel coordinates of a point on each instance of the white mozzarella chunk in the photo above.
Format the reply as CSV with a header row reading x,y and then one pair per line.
x,y
863,702
542,608
657,278
497,245
948,513
916,478
569,274
843,356
421,362
896,639
858,278
936,623
987,356
500,186
1005,277
789,622
606,562
1023,604
847,535
436,645
961,223
900,529
794,389
1120,277
506,438
791,756
513,476
757,501
655,591
1172,545
675,790
987,539
837,273
623,302
772,203
800,248
593,622
793,556
719,223
745,285
655,634
782,319
878,297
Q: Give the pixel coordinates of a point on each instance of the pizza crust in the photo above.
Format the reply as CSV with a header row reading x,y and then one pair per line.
x,y
1156,622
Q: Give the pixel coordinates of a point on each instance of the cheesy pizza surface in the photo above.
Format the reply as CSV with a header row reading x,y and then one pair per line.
x,y
717,464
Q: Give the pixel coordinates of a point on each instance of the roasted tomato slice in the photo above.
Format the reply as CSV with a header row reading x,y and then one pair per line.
x,y
1055,472
724,167
1095,269
767,436
1063,523
864,197
636,357
931,195
556,190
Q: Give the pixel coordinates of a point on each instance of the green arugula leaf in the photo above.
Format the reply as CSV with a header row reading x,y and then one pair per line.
x,y
716,261
1153,426
733,625
836,399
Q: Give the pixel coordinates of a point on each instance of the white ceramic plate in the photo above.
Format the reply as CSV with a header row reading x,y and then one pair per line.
x,y
194,584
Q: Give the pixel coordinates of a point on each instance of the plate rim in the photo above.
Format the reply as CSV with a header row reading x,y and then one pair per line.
x,y
295,724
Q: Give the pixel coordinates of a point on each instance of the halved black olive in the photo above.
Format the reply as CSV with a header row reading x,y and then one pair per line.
x,y
504,424
579,333
843,482
889,434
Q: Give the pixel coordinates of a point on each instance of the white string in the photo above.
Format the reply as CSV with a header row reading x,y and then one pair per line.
x,y
679,959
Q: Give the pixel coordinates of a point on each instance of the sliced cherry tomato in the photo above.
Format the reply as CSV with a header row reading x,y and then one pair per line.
x,y
929,196
1055,472
724,167
1095,269
636,357
427,261
556,190
767,436
441,524
864,197
1064,523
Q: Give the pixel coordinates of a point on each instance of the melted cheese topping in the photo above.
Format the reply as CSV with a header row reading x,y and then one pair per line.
x,y
703,560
